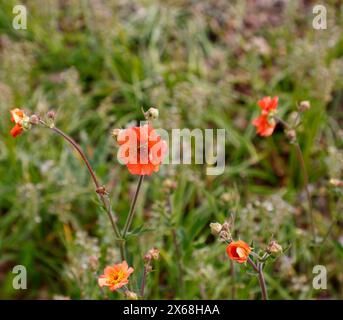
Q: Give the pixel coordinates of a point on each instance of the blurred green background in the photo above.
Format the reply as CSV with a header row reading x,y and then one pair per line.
x,y
204,64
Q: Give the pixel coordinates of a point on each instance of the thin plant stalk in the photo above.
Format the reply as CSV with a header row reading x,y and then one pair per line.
x,y
145,273
133,206
262,282
233,284
259,269
179,262
99,189
177,251
305,175
306,183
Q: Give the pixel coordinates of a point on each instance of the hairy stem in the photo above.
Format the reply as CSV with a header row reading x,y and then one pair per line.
x,y
102,194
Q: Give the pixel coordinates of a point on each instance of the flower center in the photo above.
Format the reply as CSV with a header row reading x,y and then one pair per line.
x,y
240,252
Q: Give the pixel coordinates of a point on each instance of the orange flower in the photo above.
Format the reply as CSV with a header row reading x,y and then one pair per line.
x,y
19,118
115,277
141,149
267,104
264,126
238,251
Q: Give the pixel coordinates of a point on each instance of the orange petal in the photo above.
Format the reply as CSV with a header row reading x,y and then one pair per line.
x,y
102,281
16,130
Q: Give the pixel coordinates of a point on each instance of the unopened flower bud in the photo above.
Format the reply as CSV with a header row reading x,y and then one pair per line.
x,y
130,295
34,119
151,114
304,105
51,114
215,228
274,248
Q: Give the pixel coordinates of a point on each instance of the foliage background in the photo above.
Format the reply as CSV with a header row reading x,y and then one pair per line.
x,y
204,64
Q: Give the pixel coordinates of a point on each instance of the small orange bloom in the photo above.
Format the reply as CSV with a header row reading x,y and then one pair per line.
x,y
18,116
238,251
267,104
115,277
141,149
264,126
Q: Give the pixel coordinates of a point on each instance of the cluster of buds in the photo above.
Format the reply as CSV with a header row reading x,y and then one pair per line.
x,y
222,231
151,114
152,254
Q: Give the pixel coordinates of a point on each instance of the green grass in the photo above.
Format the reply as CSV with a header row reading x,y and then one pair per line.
x,y
204,65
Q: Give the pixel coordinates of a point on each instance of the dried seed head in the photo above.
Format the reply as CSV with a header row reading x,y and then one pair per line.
x,y
304,105
215,228
151,114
